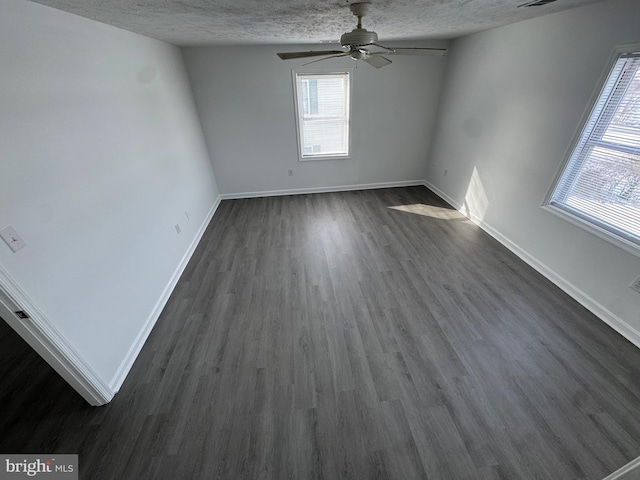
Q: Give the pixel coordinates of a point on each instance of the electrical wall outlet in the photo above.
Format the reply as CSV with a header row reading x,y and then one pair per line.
x,y
11,238
291,173
635,285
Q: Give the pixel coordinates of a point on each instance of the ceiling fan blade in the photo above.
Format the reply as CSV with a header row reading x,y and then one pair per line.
x,y
412,50
291,55
377,61
341,54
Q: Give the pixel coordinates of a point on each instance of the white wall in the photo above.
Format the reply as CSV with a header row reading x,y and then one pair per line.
x,y
101,153
245,100
513,100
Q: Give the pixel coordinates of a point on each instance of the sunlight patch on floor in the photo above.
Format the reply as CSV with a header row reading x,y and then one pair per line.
x,y
429,211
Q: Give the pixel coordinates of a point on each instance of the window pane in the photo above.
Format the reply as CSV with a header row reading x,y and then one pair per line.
x,y
313,96
607,188
601,181
323,114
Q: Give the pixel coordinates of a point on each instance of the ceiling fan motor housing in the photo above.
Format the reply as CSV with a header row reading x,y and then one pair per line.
x,y
358,37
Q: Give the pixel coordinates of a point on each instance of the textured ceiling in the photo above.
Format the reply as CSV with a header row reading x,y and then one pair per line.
x,y
236,22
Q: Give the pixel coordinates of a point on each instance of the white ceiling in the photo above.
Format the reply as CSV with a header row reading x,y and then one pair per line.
x,y
237,22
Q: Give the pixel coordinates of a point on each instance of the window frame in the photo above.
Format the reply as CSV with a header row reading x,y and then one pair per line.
x,y
297,106
577,218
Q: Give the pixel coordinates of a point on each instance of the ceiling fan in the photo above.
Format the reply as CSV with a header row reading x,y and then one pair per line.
x,y
359,42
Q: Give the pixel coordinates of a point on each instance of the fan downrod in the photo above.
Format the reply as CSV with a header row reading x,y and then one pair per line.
x,y
359,36
359,9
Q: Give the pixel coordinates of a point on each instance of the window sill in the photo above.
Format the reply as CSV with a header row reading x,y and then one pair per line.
x,y
313,158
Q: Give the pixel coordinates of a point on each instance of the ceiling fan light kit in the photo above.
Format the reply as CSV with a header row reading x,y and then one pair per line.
x,y
357,41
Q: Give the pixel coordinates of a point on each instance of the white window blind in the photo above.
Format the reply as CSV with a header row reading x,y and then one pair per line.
x,y
322,105
600,184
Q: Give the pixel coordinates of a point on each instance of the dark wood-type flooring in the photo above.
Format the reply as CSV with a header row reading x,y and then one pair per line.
x,y
334,336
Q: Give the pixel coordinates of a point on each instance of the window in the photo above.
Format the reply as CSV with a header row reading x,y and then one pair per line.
x,y
322,114
600,184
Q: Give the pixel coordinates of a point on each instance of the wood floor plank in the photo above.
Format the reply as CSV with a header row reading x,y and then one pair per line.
x,y
370,334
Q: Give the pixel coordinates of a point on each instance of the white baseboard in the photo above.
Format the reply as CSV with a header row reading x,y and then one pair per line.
x,y
604,314
49,343
141,338
632,466
338,188
443,195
